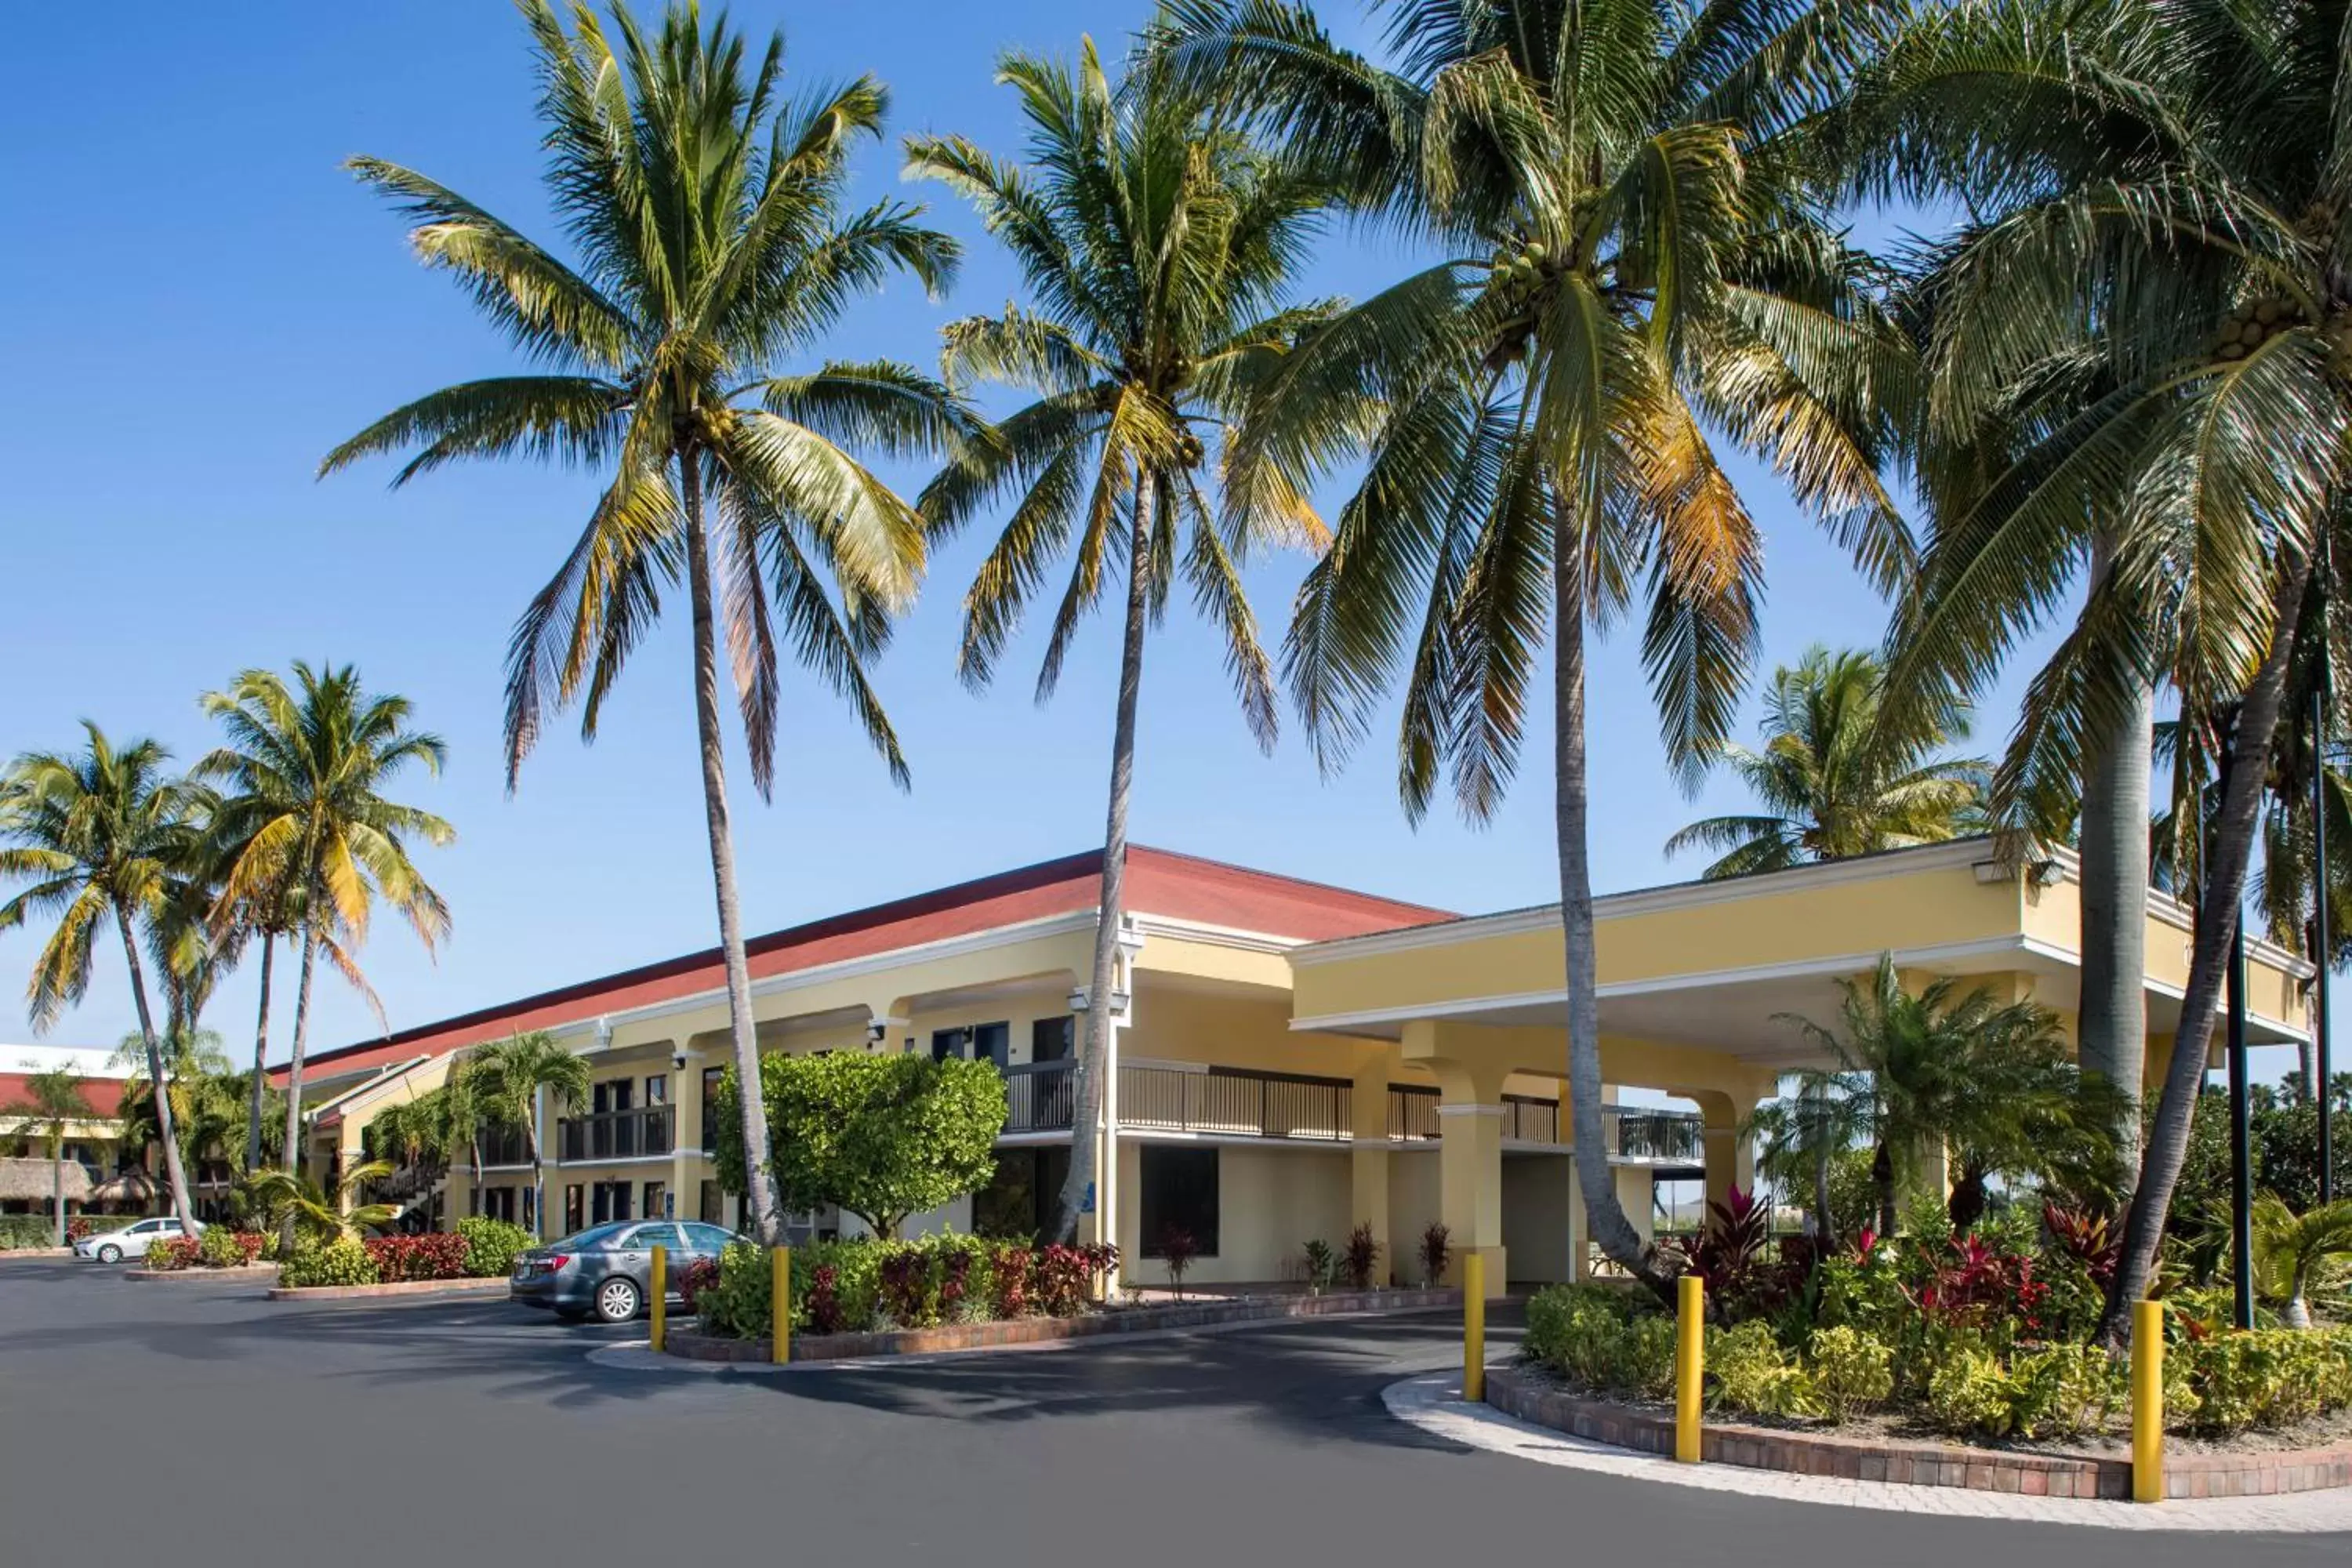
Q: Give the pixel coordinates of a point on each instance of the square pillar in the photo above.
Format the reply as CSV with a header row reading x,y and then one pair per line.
x,y
1637,1194
686,1133
1470,1187
1368,1158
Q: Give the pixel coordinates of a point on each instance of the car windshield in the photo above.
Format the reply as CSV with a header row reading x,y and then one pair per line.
x,y
594,1236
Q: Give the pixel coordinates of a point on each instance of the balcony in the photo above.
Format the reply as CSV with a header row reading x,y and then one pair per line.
x,y
614,1135
501,1145
1635,1135
1040,1097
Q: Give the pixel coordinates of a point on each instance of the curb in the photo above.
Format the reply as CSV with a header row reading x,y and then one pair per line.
x,y
638,1355
1024,1333
29,1253
242,1271
497,1286
1434,1405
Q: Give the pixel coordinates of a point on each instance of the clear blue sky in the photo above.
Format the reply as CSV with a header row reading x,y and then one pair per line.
x,y
202,303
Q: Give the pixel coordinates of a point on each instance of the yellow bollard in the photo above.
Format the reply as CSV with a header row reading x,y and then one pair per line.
x,y
1473,1328
2148,1401
1690,1363
661,1294
780,1287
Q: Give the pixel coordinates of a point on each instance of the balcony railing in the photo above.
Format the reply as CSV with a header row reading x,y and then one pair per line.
x,y
614,1134
1634,1135
502,1145
1235,1102
1039,1097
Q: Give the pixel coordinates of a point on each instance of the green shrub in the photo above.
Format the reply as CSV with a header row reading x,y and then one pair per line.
x,y
944,1279
1748,1373
342,1261
2264,1377
1602,1338
23,1231
1969,1392
2064,1390
221,1247
1852,1370
491,1244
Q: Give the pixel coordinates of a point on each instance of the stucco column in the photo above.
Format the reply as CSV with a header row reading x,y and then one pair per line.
x,y
684,1131
1637,1194
1730,1156
1368,1158
1470,1186
1579,1239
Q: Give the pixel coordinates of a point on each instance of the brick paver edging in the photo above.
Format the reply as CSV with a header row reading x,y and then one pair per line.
x,y
692,1346
202,1271
495,1285
11,1253
2253,1474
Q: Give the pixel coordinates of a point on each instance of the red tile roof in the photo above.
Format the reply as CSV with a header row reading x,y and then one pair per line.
x,y
1159,882
99,1096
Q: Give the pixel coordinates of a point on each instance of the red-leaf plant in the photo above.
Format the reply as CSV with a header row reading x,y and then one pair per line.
x,y
1014,1267
825,1314
1176,1250
2087,1238
1363,1254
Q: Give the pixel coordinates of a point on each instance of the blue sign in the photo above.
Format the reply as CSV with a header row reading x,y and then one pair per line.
x,y
1088,1205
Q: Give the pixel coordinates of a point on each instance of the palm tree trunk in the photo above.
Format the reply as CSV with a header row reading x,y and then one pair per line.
x,y
2113,1025
1881,1179
57,1180
538,1180
759,1188
2217,913
1094,1050
174,1172
291,1154
261,1053
1604,1217
1824,1223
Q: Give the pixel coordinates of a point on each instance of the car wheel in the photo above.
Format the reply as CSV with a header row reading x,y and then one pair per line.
x,y
109,1254
618,1299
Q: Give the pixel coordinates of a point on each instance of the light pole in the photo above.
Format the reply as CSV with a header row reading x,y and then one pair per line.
x,y
2241,1192
2321,944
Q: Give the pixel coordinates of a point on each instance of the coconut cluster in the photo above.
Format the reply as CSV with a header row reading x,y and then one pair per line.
x,y
2253,323
1189,449
1515,275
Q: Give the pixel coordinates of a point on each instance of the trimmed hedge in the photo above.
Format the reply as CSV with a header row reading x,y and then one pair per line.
x,y
852,1287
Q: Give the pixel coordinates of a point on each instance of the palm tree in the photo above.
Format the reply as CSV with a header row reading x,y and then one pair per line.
x,y
52,1099
1155,242
2292,1250
1945,1067
294,1202
1633,267
714,246
307,828
508,1077
2151,318
98,833
1833,780
193,1060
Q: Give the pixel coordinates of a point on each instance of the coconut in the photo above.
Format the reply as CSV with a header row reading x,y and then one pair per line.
x,y
2267,312
2231,331
1537,252
2233,351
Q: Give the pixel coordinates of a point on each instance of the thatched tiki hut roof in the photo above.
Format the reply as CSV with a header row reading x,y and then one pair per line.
x,y
32,1180
126,1187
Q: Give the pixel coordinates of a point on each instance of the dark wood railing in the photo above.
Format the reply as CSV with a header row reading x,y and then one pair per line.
x,y
614,1134
1633,1134
1039,1097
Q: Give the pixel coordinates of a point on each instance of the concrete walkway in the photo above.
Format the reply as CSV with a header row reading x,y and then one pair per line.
x,y
1433,1404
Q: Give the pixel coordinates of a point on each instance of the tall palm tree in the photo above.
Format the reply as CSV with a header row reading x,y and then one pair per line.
x,y
193,1064
52,1099
1948,1066
1833,780
98,833
309,826
2155,306
1155,242
1633,267
507,1078
714,246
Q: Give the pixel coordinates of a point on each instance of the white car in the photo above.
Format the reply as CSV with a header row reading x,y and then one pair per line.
x,y
133,1240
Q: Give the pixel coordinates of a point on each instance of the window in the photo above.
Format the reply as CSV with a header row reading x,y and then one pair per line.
x,y
576,1211
612,1095
657,1090
1180,1192
711,1078
713,1206
530,1209
1019,1201
652,1208
1049,1039
499,1202
945,1043
993,1043
708,1239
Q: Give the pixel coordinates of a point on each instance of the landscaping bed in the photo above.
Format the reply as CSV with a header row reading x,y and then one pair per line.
x,y
229,1271
694,1345
465,1287
1940,1359
1892,1451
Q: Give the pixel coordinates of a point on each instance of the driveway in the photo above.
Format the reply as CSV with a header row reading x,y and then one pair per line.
x,y
193,1421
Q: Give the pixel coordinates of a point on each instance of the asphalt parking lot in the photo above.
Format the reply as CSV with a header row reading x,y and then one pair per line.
x,y
196,1423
